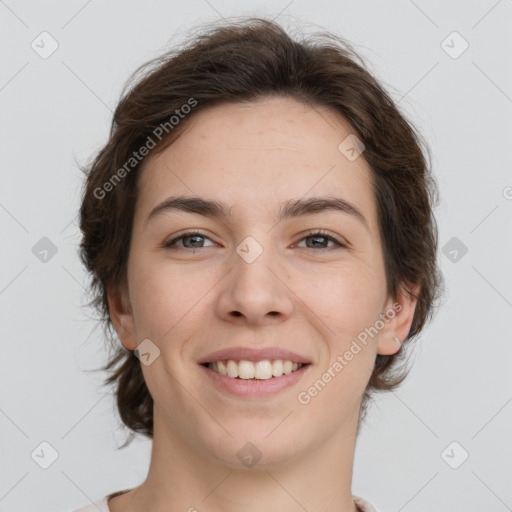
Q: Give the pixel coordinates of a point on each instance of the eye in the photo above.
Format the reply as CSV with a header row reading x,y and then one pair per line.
x,y
192,237
192,240
320,238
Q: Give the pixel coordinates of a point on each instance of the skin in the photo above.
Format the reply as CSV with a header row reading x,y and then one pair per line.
x,y
314,300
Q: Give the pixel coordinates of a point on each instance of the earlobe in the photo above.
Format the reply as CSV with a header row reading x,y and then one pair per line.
x,y
399,314
121,316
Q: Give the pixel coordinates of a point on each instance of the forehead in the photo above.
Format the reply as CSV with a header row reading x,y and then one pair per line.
x,y
252,155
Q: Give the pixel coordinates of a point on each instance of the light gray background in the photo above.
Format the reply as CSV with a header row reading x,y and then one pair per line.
x,y
56,112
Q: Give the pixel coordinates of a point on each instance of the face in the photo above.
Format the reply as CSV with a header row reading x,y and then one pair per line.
x,y
259,277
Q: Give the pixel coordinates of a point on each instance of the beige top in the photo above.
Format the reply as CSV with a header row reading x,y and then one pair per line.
x,y
102,504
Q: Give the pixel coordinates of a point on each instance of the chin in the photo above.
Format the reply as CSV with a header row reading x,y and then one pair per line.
x,y
254,446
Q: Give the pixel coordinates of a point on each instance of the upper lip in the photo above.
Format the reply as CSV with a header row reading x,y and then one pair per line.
x,y
253,354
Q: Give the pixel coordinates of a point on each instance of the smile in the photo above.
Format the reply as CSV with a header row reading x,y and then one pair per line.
x,y
254,379
260,370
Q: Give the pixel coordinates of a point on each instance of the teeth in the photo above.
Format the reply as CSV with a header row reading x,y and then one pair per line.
x,y
222,368
260,370
246,370
232,368
277,368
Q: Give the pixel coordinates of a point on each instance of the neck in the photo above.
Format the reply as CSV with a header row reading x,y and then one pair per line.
x,y
181,478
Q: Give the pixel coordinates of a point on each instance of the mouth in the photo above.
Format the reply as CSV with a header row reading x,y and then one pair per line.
x,y
254,370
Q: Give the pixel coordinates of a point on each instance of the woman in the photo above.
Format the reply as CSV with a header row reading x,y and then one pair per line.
x,y
260,234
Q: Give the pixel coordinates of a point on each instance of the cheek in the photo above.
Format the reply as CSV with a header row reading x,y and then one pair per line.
x,y
347,304
346,299
163,296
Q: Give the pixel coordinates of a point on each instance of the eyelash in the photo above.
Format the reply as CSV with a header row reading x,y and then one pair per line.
x,y
310,234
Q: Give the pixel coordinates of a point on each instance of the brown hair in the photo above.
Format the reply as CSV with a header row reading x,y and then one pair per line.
x,y
243,61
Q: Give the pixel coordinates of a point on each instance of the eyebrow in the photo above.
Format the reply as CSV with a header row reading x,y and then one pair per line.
x,y
289,209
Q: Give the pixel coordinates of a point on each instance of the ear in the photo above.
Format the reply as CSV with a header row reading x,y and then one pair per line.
x,y
399,314
122,316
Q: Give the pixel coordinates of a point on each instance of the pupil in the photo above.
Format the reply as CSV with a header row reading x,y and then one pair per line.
x,y
194,237
317,238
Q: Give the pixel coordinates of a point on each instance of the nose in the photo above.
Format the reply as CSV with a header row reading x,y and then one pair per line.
x,y
256,292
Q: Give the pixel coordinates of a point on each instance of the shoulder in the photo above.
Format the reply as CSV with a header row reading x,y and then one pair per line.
x,y
101,504
363,505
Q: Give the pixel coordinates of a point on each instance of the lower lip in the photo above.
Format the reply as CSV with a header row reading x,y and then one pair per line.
x,y
255,388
